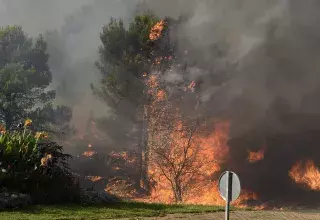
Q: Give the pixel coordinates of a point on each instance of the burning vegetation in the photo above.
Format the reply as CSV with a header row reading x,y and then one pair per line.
x,y
181,155
306,174
156,30
256,156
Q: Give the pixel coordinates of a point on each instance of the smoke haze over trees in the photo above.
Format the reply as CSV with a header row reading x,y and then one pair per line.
x,y
253,63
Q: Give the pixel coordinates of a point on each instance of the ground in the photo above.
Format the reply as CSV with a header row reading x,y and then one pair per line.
x,y
241,215
140,211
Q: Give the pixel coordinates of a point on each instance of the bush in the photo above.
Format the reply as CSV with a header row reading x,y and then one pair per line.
x,y
13,200
32,164
97,197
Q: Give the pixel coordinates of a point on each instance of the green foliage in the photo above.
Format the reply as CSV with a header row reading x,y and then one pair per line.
x,y
24,76
13,200
31,165
125,56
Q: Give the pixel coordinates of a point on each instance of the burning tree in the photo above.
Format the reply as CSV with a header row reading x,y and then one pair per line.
x,y
175,156
179,154
184,152
127,58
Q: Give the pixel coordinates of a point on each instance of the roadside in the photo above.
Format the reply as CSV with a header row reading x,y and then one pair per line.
x,y
243,215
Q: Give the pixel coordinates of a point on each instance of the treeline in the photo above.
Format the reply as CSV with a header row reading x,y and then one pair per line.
x,y
132,63
32,162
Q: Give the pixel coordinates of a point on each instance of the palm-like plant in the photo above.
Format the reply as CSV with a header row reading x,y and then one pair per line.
x,y
31,163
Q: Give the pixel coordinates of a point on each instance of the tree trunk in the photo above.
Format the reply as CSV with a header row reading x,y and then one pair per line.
x,y
177,190
145,152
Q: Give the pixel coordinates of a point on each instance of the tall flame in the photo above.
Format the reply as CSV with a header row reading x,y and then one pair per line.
x,y
204,157
307,174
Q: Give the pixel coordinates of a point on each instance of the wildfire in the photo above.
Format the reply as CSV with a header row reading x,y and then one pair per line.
x,y
158,60
94,178
120,187
122,155
201,159
89,153
156,30
307,174
256,156
2,129
191,86
161,94
27,122
45,159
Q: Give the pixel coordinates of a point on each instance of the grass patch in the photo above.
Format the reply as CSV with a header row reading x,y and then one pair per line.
x,y
118,210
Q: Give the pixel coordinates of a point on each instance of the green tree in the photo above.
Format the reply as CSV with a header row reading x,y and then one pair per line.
x,y
25,77
127,58
126,55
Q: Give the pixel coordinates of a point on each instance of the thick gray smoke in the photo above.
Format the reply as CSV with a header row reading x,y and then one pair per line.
x,y
269,88
255,62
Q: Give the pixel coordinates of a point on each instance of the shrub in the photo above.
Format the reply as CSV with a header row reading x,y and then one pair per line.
x,y
32,164
97,197
14,200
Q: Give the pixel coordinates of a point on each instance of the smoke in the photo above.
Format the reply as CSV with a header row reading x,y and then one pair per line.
x,y
254,62
257,65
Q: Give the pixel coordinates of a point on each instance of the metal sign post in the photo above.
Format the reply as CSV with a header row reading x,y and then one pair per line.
x,y
229,188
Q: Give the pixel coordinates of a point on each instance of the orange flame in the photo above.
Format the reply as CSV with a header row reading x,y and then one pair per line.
x,y
256,156
191,86
307,174
89,153
2,129
156,30
192,165
94,178
161,94
27,122
204,157
45,159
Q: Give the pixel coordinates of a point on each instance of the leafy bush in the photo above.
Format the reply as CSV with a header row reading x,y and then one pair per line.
x,y
32,164
97,197
12,200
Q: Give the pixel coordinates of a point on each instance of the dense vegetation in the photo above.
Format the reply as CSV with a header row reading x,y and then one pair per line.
x,y
33,165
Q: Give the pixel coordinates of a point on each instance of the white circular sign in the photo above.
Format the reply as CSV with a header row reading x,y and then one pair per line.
x,y
229,181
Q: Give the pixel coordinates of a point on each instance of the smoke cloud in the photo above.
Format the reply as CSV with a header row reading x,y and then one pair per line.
x,y
255,63
266,55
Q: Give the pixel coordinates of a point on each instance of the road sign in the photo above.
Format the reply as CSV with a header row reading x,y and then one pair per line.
x,y
234,183
229,188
